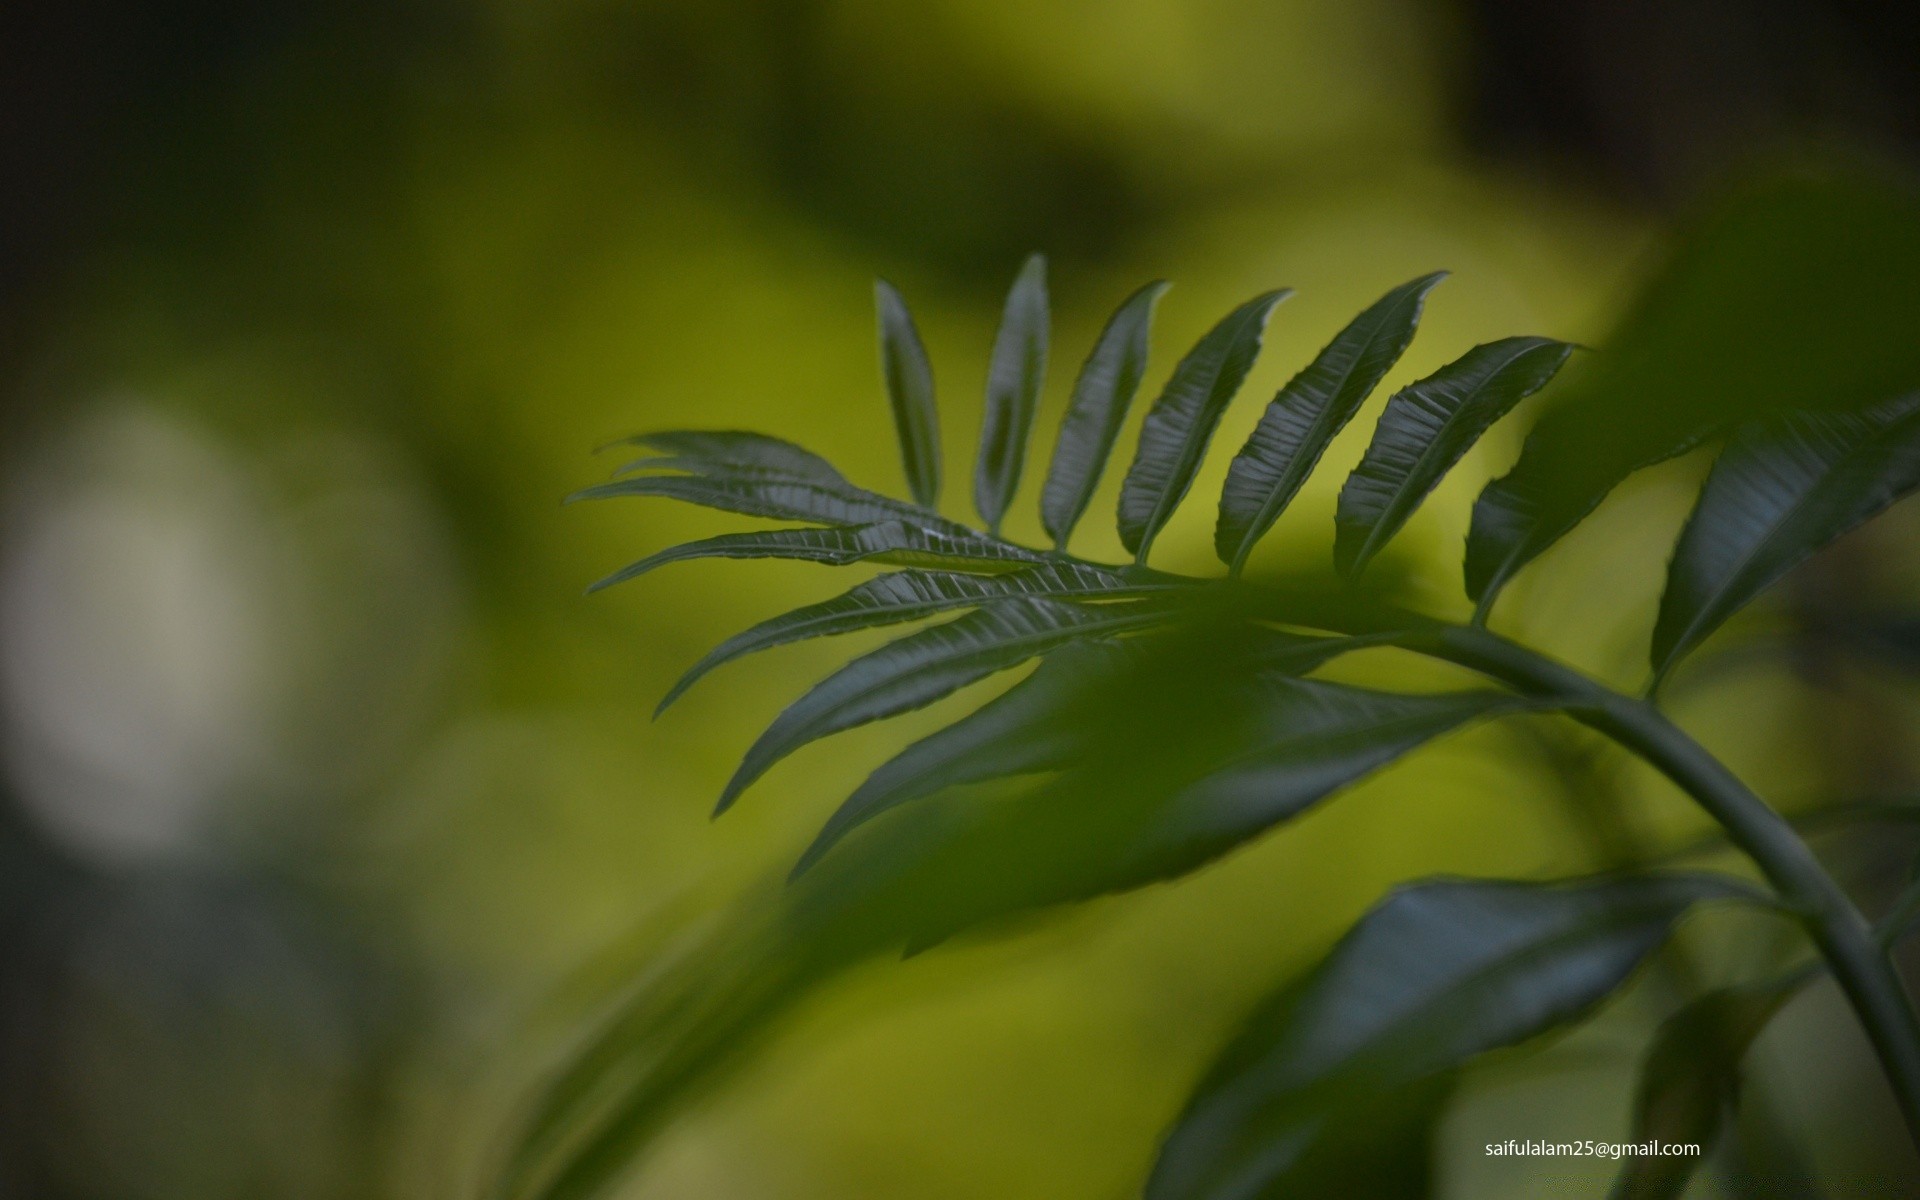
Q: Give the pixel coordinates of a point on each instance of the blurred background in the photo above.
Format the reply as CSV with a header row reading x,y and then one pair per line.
x,y
321,781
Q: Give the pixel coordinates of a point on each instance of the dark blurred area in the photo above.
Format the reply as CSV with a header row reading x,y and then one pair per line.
x,y
317,773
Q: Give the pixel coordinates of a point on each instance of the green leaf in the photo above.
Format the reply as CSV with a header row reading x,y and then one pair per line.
x,y
1207,775
1555,486
908,596
1781,490
720,451
1435,975
1015,375
923,667
1691,1080
909,376
1029,728
1101,396
781,498
1799,292
1060,714
1425,429
1174,438
1302,420
917,876
1157,761
893,542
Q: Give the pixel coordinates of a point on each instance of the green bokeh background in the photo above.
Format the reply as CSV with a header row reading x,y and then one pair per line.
x,y
329,781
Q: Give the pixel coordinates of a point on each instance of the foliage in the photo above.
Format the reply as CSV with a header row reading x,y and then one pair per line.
x,y
1172,719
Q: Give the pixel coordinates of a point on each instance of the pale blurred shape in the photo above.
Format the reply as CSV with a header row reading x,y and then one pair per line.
x,y
191,638
133,635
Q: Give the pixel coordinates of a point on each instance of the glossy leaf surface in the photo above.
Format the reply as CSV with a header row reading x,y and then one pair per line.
x,y
1302,420
1102,394
893,542
719,450
1781,490
909,379
1435,975
1425,429
780,498
1015,375
1181,423
908,596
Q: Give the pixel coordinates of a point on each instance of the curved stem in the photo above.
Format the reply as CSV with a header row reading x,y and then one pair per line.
x,y
1858,961
1854,954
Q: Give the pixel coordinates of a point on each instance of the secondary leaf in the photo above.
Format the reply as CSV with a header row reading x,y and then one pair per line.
x,y
1555,485
717,450
1435,975
1087,701
1302,420
781,498
909,376
1246,765
1691,1080
893,542
1799,293
1781,490
1174,438
1033,726
1425,429
1101,396
1014,378
920,875
922,667
908,596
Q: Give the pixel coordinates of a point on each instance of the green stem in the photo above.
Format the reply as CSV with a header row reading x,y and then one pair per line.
x,y
1856,958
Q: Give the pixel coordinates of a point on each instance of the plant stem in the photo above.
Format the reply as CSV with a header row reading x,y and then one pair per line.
x,y
1855,955
1842,934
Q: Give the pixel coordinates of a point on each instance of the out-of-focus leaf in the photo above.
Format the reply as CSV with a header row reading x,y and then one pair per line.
x,y
1015,375
1691,1080
1437,974
908,596
923,667
925,872
1237,773
892,542
1101,396
1178,427
1181,765
1799,293
1425,429
781,498
693,1012
721,450
909,376
1070,711
1781,490
1034,726
1302,420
